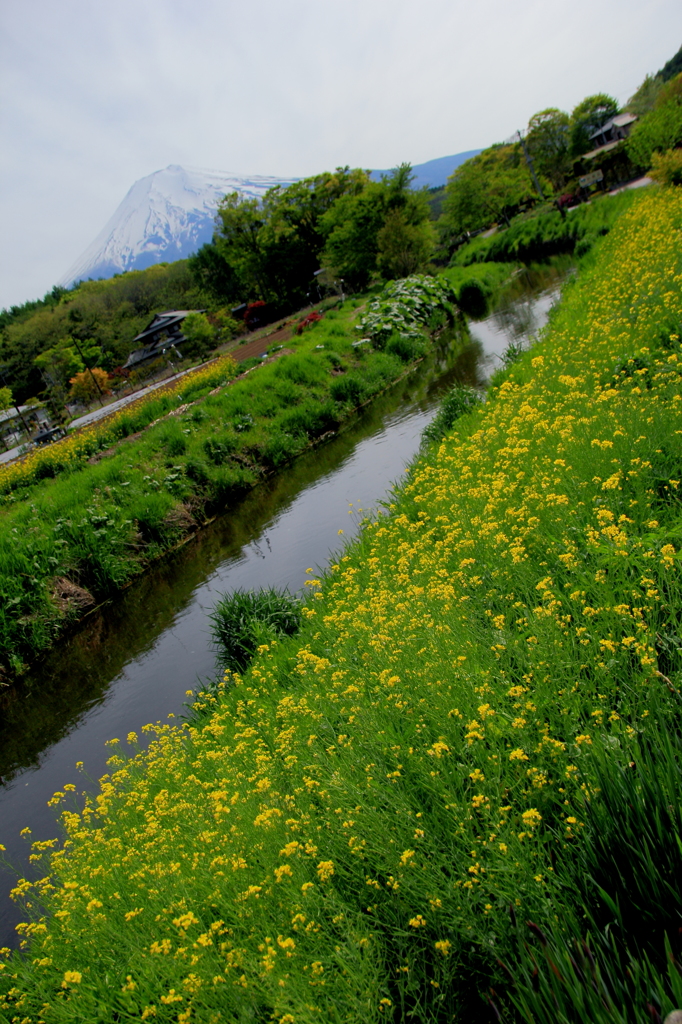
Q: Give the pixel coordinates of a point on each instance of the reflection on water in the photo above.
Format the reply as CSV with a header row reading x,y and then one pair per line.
x,y
132,662
522,308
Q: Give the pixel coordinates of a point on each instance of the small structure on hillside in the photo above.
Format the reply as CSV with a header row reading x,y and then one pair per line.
x,y
162,333
608,164
610,134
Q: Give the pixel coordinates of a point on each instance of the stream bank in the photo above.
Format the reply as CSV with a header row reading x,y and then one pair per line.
x,y
133,661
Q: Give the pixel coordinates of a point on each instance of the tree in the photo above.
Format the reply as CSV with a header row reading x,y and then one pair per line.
x,y
236,240
269,250
587,117
59,364
487,188
84,388
667,167
548,140
661,129
6,400
672,68
199,333
645,98
355,222
403,248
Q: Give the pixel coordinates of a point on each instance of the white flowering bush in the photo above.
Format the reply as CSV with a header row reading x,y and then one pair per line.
x,y
405,307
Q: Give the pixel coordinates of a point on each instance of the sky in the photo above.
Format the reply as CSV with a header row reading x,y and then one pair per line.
x,y
95,95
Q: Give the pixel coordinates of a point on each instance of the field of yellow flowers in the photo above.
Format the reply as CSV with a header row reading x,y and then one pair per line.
x,y
357,828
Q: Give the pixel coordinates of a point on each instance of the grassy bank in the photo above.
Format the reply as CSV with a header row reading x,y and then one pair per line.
x,y
359,828
537,236
83,518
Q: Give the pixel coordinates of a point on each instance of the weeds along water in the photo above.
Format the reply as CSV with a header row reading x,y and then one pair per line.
x,y
339,835
80,521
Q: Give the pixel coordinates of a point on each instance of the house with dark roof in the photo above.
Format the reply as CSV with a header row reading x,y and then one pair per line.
x,y
163,332
610,134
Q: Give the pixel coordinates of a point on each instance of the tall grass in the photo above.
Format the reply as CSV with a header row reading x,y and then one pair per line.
x,y
116,498
538,236
241,621
341,832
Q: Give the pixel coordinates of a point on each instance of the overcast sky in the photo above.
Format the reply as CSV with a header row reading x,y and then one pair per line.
x,y
96,95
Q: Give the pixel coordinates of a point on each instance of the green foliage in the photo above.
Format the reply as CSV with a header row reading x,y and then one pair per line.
x,y
672,68
661,129
403,248
60,364
459,400
623,951
270,249
587,117
548,140
200,335
385,227
244,619
103,316
548,233
487,188
405,307
644,100
6,399
666,168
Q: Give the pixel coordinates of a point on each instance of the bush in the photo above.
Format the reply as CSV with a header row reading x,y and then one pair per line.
x,y
458,401
666,168
89,384
199,333
244,619
406,349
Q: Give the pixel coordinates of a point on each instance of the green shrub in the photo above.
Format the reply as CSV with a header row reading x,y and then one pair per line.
x,y
241,620
458,401
406,349
473,299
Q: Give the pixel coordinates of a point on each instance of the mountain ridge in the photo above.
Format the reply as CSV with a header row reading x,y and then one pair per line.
x,y
169,214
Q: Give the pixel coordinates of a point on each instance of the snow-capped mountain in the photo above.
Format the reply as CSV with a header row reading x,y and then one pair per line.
x,y
169,214
165,217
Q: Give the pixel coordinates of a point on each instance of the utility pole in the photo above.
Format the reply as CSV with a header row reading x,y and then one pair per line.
x,y
529,161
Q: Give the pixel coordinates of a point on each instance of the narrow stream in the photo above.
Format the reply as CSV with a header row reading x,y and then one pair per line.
x,y
133,661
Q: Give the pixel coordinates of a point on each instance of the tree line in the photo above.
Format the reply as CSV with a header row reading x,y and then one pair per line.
x,y
338,230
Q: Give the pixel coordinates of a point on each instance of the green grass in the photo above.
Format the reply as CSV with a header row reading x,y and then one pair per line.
x,y
100,525
534,237
243,620
477,726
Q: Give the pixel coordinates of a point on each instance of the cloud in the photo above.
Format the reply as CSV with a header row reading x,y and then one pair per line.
x,y
99,95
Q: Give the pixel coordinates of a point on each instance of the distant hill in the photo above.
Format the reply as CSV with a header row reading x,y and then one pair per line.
x,y
170,214
435,173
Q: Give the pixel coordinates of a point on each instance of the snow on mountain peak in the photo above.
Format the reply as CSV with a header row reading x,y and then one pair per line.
x,y
170,214
164,217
